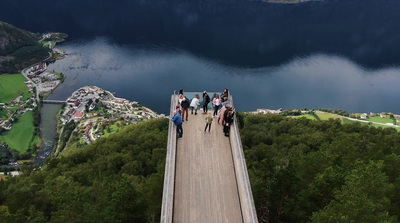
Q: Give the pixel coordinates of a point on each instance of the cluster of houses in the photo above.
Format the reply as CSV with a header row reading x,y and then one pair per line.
x,y
39,77
91,104
268,111
36,69
76,105
382,115
22,107
7,125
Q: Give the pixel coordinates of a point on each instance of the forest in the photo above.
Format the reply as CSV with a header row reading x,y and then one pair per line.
x,y
321,171
19,49
118,179
300,170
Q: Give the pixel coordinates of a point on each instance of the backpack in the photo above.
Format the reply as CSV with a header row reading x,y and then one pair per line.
x,y
207,99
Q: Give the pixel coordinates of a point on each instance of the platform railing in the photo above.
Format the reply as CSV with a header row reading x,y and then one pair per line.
x,y
249,213
170,165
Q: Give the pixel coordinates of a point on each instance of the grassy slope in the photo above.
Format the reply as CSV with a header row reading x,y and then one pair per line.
x,y
380,120
11,86
308,116
3,114
20,135
326,116
114,128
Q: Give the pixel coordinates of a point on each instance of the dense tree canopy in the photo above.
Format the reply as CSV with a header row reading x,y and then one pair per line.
x,y
300,171
321,171
118,179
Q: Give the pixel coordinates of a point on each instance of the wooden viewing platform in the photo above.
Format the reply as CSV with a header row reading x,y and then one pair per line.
x,y
206,177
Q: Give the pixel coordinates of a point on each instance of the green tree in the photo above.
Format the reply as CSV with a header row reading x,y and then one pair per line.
x,y
363,197
3,156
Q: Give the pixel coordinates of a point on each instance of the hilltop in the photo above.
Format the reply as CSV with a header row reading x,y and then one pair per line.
x,y
19,48
301,170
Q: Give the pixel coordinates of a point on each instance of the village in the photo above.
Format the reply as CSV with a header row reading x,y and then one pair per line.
x,y
92,107
43,80
39,81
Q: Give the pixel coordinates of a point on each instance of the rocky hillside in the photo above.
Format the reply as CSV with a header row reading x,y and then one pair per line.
x,y
18,48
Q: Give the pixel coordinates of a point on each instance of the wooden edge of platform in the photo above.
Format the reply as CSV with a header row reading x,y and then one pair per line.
x,y
170,165
249,213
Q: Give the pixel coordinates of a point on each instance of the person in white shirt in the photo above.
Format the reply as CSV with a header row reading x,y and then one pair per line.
x,y
216,104
194,105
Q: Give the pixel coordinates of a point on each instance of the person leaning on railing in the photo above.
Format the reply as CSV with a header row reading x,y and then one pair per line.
x,y
178,122
225,94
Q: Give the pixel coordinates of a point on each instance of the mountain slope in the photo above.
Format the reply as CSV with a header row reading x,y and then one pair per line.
x,y
19,48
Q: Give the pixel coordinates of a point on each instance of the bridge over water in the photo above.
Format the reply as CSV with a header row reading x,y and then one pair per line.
x,y
206,177
53,102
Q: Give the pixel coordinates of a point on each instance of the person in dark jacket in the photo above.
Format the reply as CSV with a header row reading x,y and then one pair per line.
x,y
178,122
225,94
206,100
185,108
228,122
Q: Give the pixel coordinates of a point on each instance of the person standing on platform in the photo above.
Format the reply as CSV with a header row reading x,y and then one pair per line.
x,y
209,120
194,105
225,101
178,109
228,122
216,104
206,100
222,113
180,98
178,122
185,107
225,94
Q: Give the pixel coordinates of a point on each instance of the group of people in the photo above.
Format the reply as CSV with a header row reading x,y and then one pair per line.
x,y
221,105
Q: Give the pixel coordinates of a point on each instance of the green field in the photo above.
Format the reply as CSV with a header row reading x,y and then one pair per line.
x,y
21,133
322,116
327,116
113,128
347,121
308,116
380,120
11,86
49,44
3,114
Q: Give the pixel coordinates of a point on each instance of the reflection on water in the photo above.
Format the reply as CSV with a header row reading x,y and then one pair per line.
x,y
150,76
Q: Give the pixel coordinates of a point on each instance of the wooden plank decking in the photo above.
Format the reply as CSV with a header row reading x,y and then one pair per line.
x,y
205,183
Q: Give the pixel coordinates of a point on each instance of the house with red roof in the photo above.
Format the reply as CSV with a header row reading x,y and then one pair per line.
x,y
78,116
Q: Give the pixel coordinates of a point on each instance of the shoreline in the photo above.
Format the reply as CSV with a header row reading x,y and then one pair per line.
x,y
95,113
